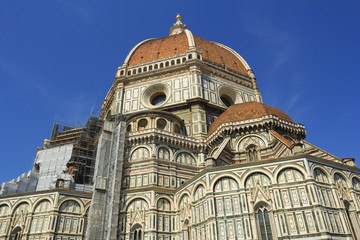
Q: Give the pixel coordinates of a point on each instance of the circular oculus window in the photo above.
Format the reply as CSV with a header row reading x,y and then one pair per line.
x,y
226,100
158,99
229,96
156,95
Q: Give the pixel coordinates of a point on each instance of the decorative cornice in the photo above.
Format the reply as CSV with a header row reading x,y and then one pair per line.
x,y
267,121
169,137
46,192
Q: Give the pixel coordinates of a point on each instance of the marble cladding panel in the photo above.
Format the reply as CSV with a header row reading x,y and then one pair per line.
x,y
179,92
182,89
211,87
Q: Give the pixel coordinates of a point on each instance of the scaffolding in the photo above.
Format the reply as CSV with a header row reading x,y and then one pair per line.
x,y
82,162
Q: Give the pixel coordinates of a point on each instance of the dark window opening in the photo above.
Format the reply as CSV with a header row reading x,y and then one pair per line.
x,y
227,101
161,124
264,224
158,99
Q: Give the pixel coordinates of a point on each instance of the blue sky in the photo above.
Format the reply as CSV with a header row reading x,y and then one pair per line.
x,y
58,60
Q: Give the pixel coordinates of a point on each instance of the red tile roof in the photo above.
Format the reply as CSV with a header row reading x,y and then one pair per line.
x,y
282,139
159,48
217,54
245,111
155,49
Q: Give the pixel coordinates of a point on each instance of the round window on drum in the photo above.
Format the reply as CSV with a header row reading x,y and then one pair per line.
x,y
158,99
142,124
226,100
161,124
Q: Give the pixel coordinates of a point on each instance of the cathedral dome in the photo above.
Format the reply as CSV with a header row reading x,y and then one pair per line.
x,y
181,41
246,111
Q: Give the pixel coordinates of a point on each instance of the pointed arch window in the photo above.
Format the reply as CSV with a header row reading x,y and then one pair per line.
x,y
264,225
252,153
138,234
16,233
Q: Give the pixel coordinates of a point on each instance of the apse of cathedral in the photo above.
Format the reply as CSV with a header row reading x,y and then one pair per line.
x,y
184,149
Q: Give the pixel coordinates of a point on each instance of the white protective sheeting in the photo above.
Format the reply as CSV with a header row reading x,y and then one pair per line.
x,y
52,163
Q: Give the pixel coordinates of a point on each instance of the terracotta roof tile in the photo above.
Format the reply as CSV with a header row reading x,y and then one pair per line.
x,y
282,139
159,48
245,111
178,44
217,54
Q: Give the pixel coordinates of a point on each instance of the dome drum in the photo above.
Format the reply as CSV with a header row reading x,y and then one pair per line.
x,y
156,95
154,119
154,66
229,96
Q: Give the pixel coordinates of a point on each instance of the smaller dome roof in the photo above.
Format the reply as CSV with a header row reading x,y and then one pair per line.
x,y
245,111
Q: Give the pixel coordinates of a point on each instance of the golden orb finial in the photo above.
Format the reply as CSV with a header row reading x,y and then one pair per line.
x,y
178,17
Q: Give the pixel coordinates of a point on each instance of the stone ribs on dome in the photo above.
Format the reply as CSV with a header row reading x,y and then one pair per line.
x,y
157,49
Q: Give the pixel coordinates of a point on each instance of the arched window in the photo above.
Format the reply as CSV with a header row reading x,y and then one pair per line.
x,y
138,234
137,205
21,210
290,175
185,158
4,210
142,124
339,180
199,193
163,205
69,218
139,154
161,124
163,220
226,184
16,233
264,225
177,129
163,153
356,183
227,101
40,220
252,154
320,176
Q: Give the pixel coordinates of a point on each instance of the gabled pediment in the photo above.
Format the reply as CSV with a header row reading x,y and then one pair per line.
x,y
259,194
